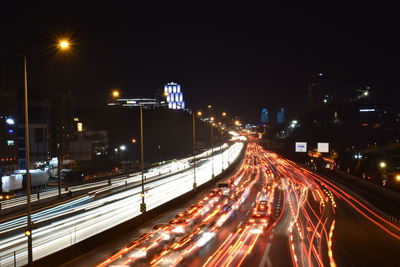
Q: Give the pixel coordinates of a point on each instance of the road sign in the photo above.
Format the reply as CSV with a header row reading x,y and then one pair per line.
x,y
142,207
323,147
301,147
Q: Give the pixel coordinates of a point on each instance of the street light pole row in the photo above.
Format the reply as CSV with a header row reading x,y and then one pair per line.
x,y
28,232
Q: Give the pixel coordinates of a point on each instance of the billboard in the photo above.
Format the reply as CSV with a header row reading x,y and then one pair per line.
x,y
301,147
323,147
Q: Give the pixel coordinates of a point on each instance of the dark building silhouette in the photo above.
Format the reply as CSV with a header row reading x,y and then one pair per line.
x,y
315,97
61,123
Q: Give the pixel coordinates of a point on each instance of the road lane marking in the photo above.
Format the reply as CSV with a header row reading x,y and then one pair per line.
x,y
266,258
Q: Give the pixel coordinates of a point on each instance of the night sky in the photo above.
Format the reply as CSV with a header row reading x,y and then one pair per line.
x,y
238,58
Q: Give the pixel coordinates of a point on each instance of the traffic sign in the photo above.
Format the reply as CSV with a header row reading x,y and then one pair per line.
x,y
301,147
323,147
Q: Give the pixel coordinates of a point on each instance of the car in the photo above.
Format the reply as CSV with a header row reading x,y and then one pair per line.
x,y
179,225
225,188
261,207
216,192
258,219
160,226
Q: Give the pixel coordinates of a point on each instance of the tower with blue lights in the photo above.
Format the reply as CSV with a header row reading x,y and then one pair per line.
x,y
174,96
264,116
280,116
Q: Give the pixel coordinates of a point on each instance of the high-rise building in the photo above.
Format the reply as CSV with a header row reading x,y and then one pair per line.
x,y
264,116
61,123
38,131
8,145
8,131
280,116
315,97
174,96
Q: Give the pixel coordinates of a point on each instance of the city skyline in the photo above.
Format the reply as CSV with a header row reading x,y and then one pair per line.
x,y
218,54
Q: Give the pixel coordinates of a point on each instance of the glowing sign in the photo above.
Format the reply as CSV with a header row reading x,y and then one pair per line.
x,y
301,147
323,147
367,110
80,126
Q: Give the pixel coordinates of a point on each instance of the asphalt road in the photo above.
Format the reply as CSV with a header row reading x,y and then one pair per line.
x,y
313,222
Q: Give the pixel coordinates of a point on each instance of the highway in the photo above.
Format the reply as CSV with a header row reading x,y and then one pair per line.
x,y
276,213
164,169
63,225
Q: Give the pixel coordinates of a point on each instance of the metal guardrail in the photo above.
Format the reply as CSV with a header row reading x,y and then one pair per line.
x,y
390,217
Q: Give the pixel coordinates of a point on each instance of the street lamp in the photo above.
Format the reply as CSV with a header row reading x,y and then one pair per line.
x,y
115,93
63,44
382,164
199,113
212,146
143,204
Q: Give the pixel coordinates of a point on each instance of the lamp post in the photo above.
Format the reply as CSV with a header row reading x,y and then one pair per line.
x,y
212,147
28,231
199,113
116,94
382,166
224,114
143,204
63,45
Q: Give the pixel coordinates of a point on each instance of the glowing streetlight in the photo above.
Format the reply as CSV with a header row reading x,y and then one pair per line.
x,y
237,123
223,114
209,106
397,178
133,140
199,113
122,147
382,164
212,119
115,93
63,44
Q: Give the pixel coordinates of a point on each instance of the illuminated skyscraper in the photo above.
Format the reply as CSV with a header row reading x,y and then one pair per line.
x,y
264,116
174,96
280,116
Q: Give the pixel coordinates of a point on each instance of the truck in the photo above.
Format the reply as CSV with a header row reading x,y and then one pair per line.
x,y
17,182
